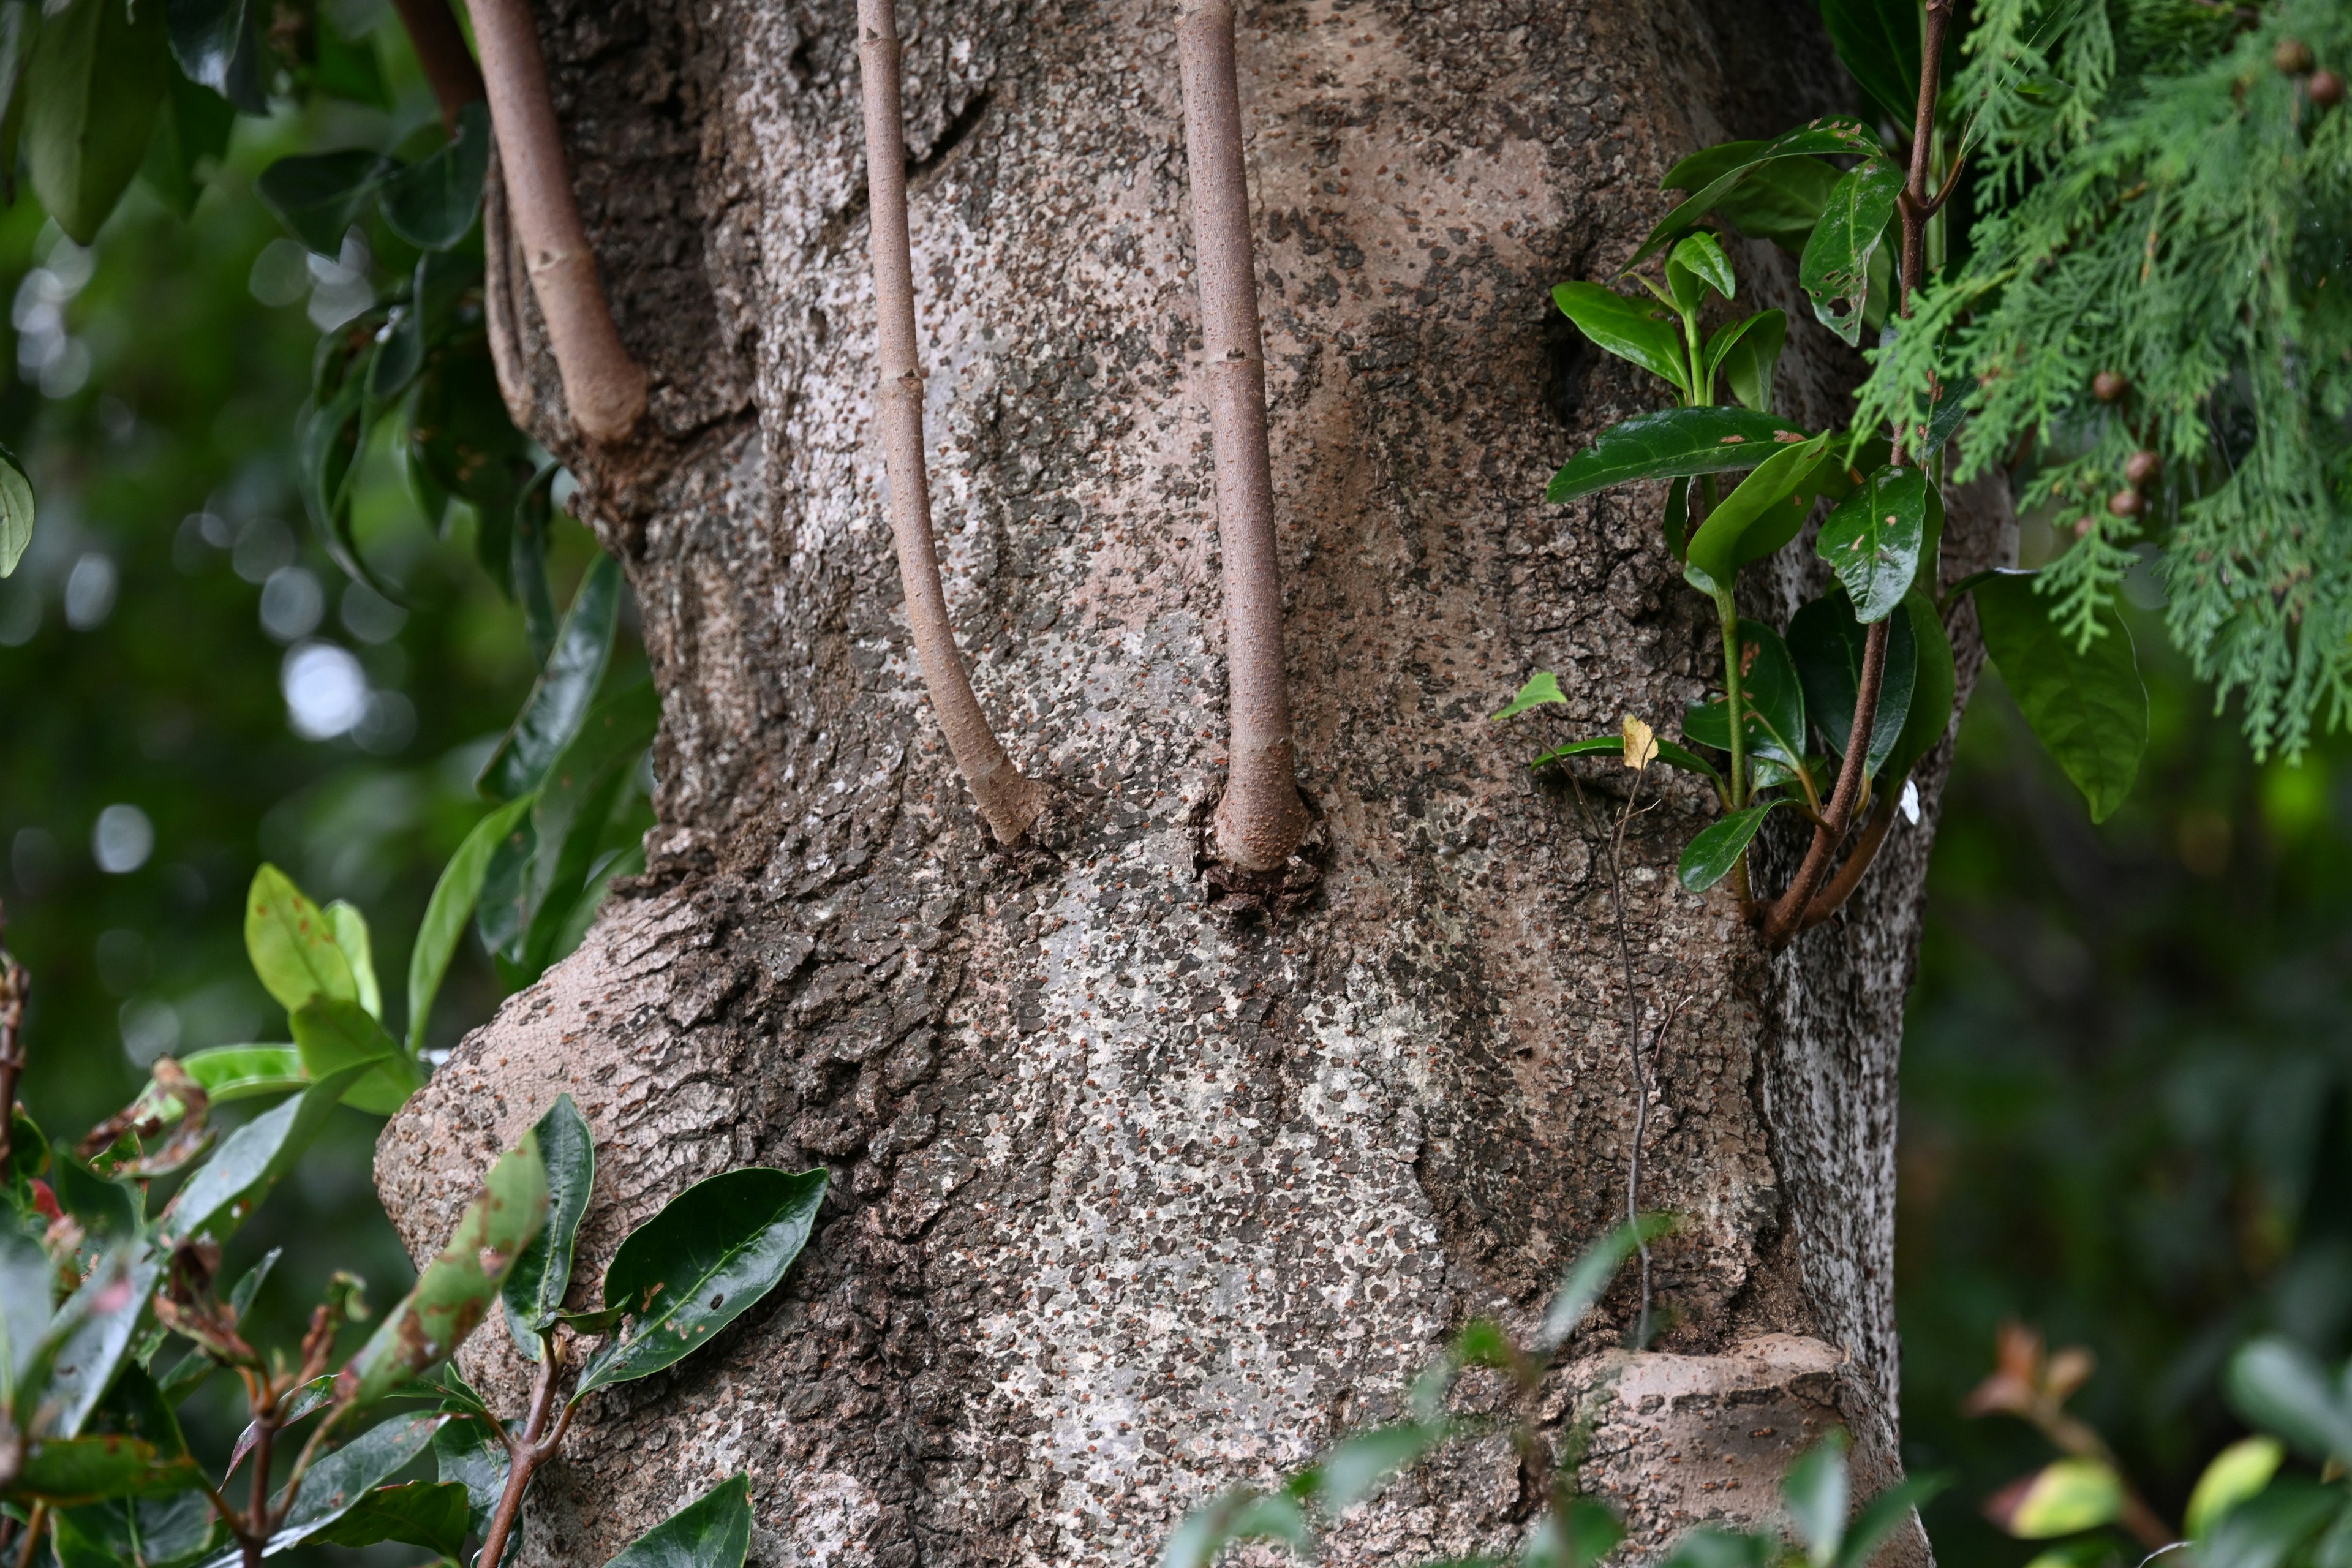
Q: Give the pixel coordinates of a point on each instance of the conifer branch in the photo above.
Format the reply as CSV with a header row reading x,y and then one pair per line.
x,y
1009,801
440,46
1260,818
602,386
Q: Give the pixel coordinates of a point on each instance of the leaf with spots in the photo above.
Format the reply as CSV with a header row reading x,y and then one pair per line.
x,y
699,1264
714,1530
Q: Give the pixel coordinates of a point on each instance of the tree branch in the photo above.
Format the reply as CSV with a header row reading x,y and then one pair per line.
x,y
602,386
1009,801
1840,887
441,49
1261,819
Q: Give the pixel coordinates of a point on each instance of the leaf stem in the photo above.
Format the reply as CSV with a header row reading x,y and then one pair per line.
x,y
32,1542
526,1452
1007,800
256,1532
1727,613
440,45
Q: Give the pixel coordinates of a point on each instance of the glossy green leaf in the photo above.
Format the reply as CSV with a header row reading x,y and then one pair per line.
x,y
1773,701
292,943
1582,1283
331,1034
1746,354
191,137
1762,505
502,917
1708,1547
466,1452
447,912
66,1471
1542,687
714,1530
1835,267
26,1276
559,700
350,928
15,512
1935,688
218,44
2060,1499
2281,1388
229,1073
431,203
1237,1515
399,354
2087,705
1814,1495
1828,644
106,1209
92,1337
1633,329
1615,746
533,1292
1353,1470
98,73
1780,201
2236,1473
320,195
1678,518
2275,1526
1878,41
417,1513
534,516
457,1288
1714,175
340,1482
1872,540
573,929
251,1160
575,801
1672,443
1696,264
701,1262
1578,1533
1716,849
1882,1517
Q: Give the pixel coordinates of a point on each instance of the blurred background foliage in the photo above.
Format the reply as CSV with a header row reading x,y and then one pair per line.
x,y
2128,1078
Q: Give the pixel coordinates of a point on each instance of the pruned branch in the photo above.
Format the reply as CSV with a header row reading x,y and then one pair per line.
x,y
602,386
440,45
1261,819
1009,801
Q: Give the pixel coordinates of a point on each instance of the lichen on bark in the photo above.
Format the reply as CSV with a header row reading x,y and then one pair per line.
x,y
1133,1199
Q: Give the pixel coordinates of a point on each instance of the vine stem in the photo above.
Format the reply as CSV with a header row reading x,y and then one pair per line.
x,y
440,45
525,1452
602,386
1793,911
1633,1053
1008,801
1260,818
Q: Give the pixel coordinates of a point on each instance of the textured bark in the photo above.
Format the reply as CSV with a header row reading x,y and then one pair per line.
x,y
1134,1198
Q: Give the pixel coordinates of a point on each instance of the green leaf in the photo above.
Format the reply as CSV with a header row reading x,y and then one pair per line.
x,y
1615,746
1237,1515
27,1279
218,44
191,132
1578,1533
1707,1547
399,354
1678,518
2279,1388
2237,1473
98,73
66,1471
433,1515
1716,173
431,202
694,1267
1935,688
350,928
1723,543
575,801
558,704
2272,1526
103,1206
447,912
339,1483
714,1530
1780,201
1708,439
229,1073
292,943
1350,1472
534,1291
1630,328
1813,1494
1878,40
1747,352
1584,1280
250,1160
467,1451
1773,701
456,1288
1828,644
2088,704
1697,260
1835,267
1716,849
15,512
320,195
1872,540
331,1034
533,515
1542,687
1883,1516
2060,1499
99,1322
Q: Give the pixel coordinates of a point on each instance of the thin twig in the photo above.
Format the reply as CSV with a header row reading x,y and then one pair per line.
x,y
602,386
1260,818
440,45
257,1533
39,1516
1632,1052
525,1452
1009,801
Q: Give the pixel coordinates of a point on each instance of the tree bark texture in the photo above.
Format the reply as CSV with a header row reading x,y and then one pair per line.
x,y
1137,1197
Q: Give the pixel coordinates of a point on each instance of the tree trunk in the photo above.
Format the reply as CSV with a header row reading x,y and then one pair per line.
x,y
1136,1195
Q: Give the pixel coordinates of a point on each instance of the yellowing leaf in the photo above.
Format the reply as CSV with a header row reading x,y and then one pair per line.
x,y
2065,1497
1641,744
2237,1473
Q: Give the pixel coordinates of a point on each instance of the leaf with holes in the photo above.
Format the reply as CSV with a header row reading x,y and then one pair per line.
x,y
1872,540
1835,267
